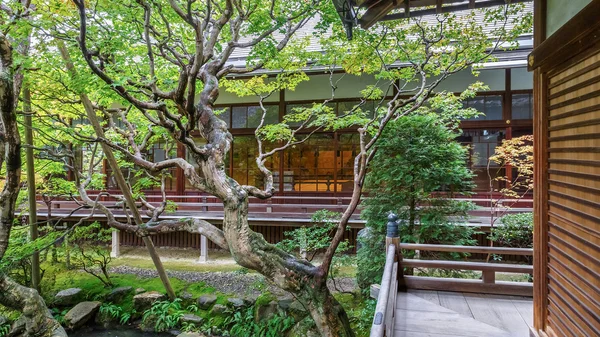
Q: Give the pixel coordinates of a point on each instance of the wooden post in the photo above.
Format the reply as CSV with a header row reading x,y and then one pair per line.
x,y
115,244
203,249
33,225
489,276
392,237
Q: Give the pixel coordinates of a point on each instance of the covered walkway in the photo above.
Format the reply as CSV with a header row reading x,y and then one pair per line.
x,y
421,313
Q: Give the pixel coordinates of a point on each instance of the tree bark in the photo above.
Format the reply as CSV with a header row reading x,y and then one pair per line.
x,y
39,322
33,226
251,250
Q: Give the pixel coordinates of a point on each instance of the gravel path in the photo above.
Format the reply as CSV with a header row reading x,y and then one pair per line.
x,y
241,284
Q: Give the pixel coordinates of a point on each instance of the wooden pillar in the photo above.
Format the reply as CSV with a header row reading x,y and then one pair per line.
x,y
115,244
392,238
203,249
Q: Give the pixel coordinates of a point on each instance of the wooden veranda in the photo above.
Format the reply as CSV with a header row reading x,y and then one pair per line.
x,y
417,306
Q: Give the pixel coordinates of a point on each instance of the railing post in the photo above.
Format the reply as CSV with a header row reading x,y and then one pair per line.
x,y
392,237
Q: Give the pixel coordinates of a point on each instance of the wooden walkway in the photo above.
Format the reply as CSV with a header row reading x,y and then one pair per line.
x,y
421,313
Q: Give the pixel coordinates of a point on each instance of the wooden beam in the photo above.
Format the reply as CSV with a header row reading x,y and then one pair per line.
x,y
469,286
438,6
578,34
449,9
471,4
468,249
461,265
376,12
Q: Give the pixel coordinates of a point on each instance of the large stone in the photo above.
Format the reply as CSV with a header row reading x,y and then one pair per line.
x,y
285,304
187,298
265,311
236,302
17,329
206,301
218,309
68,297
144,301
118,294
297,311
81,313
304,328
192,319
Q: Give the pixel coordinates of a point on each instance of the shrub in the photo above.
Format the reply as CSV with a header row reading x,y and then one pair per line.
x,y
165,315
242,324
516,231
416,171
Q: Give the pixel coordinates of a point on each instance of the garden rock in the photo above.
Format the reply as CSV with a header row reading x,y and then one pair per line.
x,y
118,294
206,301
297,310
81,313
68,296
186,298
17,328
139,291
304,328
144,301
3,320
192,319
236,302
285,304
265,311
190,334
218,309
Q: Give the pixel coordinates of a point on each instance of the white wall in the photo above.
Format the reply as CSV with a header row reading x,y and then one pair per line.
x,y
318,87
558,12
521,79
494,78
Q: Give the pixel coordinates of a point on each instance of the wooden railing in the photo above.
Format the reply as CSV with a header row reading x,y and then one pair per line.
x,y
394,279
383,322
487,284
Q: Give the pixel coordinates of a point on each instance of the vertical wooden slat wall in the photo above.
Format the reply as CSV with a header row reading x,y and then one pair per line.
x,y
573,105
567,173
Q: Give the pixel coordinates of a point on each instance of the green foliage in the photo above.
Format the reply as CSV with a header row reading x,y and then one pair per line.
x,y
16,262
165,315
417,169
516,231
90,252
4,329
117,313
242,324
307,241
360,312
59,315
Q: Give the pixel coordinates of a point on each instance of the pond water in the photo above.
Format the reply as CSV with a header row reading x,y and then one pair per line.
x,y
118,332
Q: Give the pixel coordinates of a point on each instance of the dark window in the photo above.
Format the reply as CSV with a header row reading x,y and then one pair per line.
x,y
224,114
522,106
243,117
489,105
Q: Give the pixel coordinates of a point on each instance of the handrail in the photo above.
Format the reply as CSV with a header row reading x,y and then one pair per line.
x,y
382,323
468,249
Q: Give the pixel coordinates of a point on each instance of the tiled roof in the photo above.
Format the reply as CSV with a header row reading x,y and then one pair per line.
x,y
238,57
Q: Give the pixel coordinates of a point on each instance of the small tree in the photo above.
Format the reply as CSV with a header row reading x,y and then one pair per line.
x,y
91,254
417,168
514,154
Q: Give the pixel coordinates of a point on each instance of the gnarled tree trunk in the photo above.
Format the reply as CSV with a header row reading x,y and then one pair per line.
x,y
38,321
